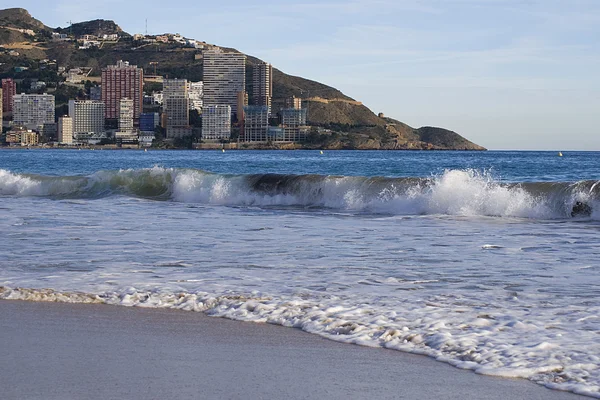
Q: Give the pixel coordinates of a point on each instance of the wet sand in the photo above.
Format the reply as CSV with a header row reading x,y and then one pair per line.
x,y
78,351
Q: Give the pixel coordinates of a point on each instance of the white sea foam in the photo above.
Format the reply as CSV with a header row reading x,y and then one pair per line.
x,y
501,296
19,185
467,341
455,192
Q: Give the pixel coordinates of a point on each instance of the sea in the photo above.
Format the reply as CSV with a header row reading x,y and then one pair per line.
x,y
488,261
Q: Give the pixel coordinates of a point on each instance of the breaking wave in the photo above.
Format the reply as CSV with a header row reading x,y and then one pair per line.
x,y
454,192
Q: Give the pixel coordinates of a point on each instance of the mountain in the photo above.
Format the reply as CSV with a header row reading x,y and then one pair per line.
x,y
343,122
20,18
14,22
96,27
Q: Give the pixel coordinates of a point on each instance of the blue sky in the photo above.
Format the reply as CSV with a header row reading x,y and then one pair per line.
x,y
505,74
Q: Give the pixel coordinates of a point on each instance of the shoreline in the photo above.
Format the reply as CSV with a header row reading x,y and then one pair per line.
x,y
61,350
242,149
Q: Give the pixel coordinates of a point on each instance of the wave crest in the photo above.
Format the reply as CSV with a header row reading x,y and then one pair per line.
x,y
454,192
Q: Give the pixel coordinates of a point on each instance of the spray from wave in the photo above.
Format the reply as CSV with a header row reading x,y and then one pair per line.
x,y
454,192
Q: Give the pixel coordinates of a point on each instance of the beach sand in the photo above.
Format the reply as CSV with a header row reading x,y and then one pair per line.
x,y
77,351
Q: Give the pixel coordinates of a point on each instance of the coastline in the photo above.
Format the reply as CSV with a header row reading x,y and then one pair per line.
x,y
218,148
57,351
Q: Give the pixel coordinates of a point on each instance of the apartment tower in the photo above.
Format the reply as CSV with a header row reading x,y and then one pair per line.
x,y
224,78
256,123
122,81
126,115
87,115
262,85
216,122
293,122
293,102
65,130
176,107
196,95
9,90
33,110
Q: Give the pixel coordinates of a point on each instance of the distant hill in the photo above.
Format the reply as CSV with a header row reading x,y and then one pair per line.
x,y
12,23
20,18
96,27
344,122
443,138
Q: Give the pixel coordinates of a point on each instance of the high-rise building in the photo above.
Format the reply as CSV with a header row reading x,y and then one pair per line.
x,y
33,110
224,77
196,95
176,107
177,117
122,81
216,122
149,121
293,102
126,113
178,112
293,122
65,129
256,123
87,115
262,84
242,101
175,88
9,90
126,134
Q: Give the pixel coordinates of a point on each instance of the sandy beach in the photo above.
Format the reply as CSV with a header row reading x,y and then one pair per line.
x,y
71,351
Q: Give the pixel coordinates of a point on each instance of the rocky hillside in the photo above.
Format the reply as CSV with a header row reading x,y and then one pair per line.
x,y
14,24
20,18
96,27
344,122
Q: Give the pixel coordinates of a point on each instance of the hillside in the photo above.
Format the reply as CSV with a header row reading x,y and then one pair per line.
x,y
343,122
20,18
14,22
96,27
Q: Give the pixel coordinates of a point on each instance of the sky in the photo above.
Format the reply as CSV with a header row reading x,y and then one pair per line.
x,y
505,74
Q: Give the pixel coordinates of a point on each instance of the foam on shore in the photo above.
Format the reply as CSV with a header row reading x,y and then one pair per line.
x,y
437,333
136,353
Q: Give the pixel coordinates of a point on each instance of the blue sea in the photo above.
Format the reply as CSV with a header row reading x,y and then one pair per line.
x,y
489,261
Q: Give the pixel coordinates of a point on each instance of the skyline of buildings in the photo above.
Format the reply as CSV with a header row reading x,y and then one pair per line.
x,y
222,91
